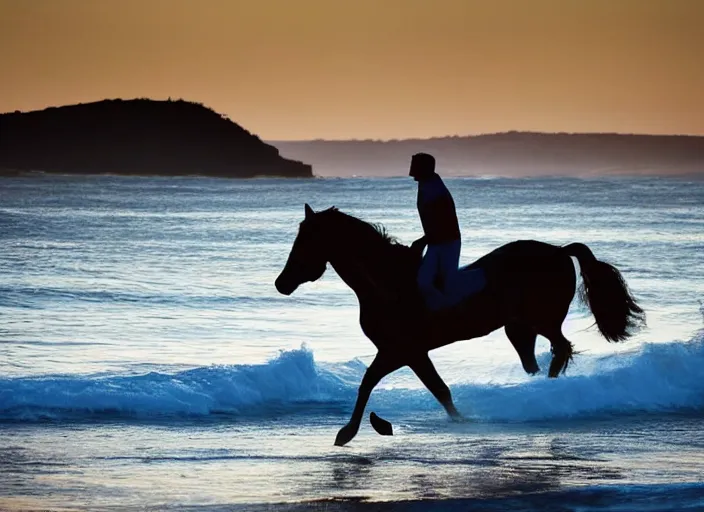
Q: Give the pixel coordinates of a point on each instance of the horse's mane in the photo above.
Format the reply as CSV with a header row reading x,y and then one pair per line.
x,y
366,232
394,262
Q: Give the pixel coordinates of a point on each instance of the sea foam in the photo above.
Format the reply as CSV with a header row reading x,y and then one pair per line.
x,y
657,377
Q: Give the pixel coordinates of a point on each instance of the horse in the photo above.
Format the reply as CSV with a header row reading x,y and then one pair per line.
x,y
529,286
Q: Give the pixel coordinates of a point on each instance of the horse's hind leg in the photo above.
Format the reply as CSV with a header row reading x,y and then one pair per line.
x,y
423,367
523,340
562,351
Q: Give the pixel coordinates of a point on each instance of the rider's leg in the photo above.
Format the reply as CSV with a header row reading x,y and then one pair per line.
x,y
449,260
429,269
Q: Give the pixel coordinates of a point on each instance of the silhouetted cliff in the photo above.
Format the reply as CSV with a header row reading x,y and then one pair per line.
x,y
508,154
140,136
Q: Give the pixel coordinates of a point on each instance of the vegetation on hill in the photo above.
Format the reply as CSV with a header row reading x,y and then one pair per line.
x,y
140,136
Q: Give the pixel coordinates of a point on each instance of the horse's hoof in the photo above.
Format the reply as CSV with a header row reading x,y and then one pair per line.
x,y
382,427
532,369
345,435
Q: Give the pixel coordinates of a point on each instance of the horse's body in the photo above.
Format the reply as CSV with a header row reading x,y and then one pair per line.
x,y
529,287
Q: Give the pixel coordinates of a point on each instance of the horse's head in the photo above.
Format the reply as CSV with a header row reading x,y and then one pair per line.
x,y
307,260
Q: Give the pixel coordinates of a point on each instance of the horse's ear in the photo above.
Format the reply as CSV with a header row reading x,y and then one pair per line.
x,y
309,211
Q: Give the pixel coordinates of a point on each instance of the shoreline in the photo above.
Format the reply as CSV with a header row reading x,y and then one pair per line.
x,y
621,498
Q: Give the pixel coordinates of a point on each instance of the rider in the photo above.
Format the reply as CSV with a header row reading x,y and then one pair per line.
x,y
442,234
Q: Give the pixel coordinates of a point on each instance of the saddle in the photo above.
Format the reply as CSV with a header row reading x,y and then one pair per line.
x,y
471,280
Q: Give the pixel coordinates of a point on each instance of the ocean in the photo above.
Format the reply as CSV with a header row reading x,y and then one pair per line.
x,y
148,363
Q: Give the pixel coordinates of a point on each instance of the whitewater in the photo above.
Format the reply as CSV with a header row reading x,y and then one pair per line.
x,y
146,359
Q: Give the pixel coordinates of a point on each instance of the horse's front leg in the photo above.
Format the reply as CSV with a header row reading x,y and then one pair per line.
x,y
382,365
423,367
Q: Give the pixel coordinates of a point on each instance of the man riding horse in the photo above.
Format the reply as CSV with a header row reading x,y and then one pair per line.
x,y
525,286
438,217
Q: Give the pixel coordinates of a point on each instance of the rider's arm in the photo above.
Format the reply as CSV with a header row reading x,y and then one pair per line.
x,y
439,214
419,245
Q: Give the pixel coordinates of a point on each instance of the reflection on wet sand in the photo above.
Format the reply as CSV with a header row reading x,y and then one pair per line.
x,y
192,466
476,468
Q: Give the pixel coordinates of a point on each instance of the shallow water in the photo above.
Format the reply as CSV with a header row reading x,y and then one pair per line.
x,y
147,360
178,464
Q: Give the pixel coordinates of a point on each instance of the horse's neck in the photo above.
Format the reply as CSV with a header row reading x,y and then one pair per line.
x,y
357,269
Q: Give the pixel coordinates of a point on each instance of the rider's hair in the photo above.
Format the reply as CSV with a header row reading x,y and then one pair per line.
x,y
422,164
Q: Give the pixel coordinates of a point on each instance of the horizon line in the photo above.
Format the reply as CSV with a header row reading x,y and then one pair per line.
x,y
486,134
172,99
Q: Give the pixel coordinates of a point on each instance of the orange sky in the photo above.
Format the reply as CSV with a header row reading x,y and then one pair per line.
x,y
295,69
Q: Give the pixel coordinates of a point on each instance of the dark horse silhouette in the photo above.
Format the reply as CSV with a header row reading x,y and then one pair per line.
x,y
529,287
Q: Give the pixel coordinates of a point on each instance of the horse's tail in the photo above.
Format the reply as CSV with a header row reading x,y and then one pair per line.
x,y
616,312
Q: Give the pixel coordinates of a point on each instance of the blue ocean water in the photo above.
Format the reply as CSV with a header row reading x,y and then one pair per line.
x,y
147,359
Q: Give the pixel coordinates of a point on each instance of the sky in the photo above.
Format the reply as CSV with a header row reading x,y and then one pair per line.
x,y
379,69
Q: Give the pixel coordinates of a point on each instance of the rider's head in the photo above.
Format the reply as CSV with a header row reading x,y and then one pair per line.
x,y
422,166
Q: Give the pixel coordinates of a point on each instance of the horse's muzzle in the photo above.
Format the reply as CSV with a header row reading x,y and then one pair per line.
x,y
284,287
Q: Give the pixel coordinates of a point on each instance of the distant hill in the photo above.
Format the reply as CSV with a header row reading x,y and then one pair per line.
x,y
140,136
508,154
